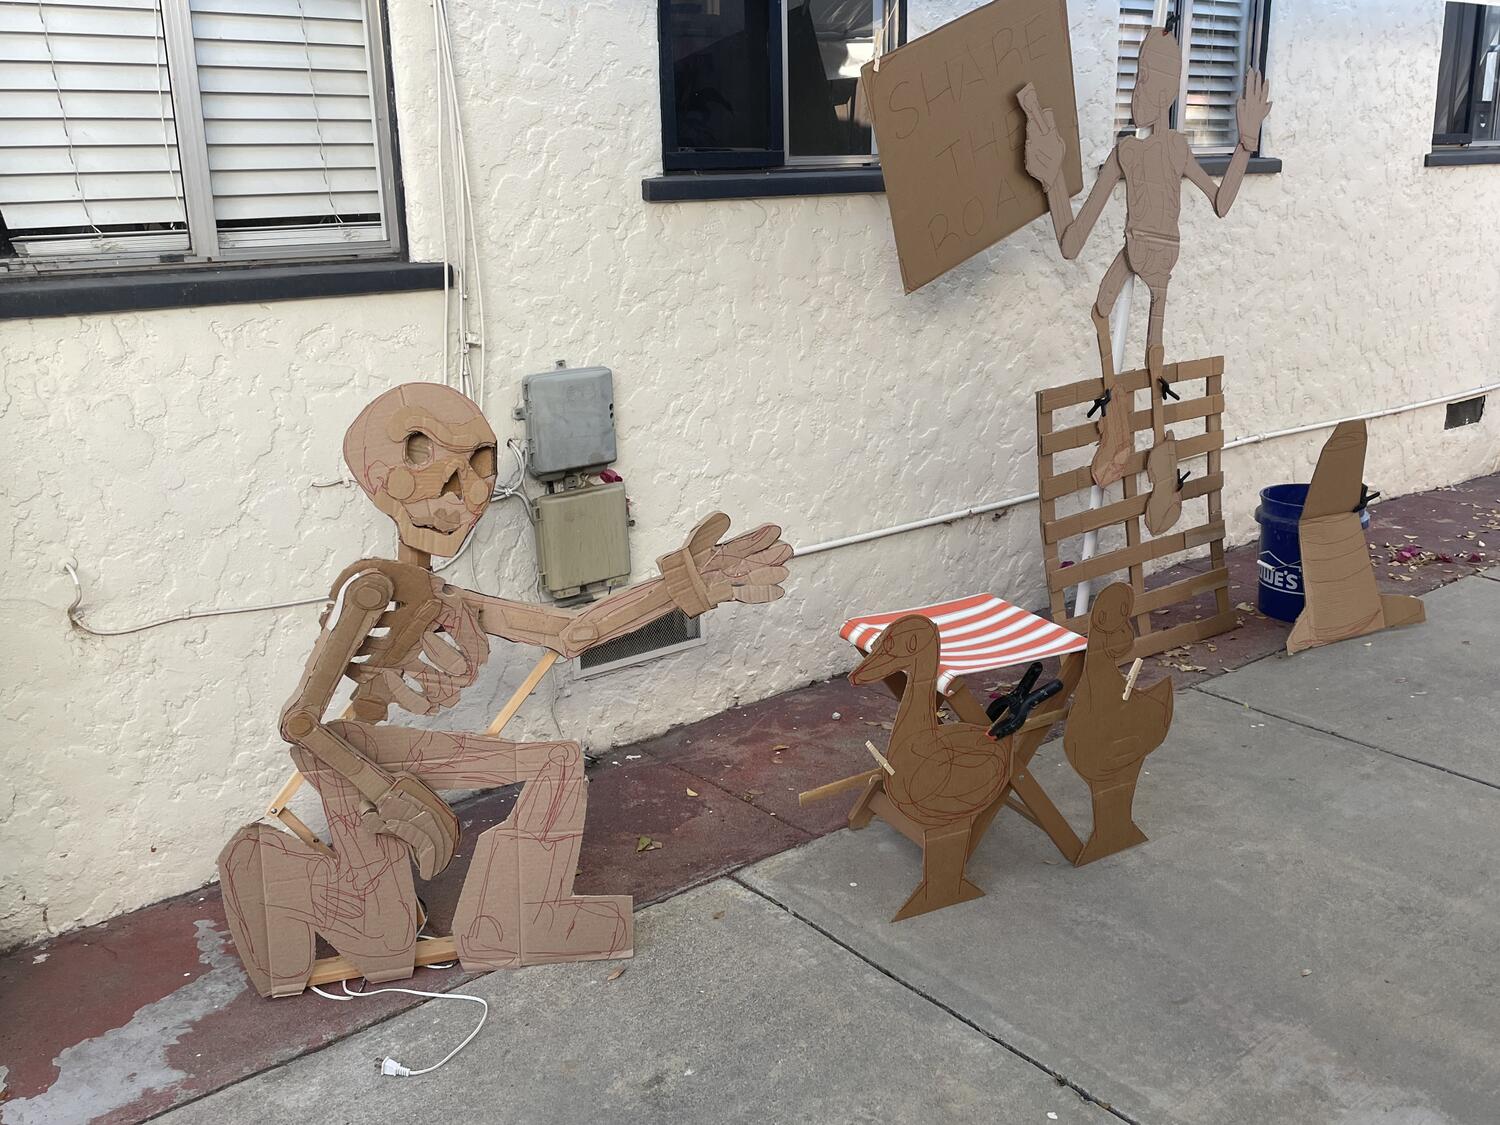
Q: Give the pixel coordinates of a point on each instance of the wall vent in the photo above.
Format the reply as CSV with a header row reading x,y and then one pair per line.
x,y
664,636
1464,413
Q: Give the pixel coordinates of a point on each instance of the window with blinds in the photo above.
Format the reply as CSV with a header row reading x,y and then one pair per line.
x,y
1221,40
191,130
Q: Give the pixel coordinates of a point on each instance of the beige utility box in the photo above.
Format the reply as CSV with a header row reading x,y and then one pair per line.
x,y
582,538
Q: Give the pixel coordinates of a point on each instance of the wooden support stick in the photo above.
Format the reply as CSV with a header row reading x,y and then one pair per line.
x,y
278,806
1135,670
833,788
879,757
297,825
528,685
330,970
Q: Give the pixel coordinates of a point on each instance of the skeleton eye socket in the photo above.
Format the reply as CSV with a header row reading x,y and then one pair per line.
x,y
482,461
418,449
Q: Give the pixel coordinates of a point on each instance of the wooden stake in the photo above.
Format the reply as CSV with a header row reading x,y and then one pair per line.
x,y
834,788
528,685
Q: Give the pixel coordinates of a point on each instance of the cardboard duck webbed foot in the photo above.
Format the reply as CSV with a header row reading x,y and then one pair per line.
x,y
1338,576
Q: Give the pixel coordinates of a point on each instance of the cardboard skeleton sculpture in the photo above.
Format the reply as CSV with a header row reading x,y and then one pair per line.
x,y
1152,168
426,456
1337,575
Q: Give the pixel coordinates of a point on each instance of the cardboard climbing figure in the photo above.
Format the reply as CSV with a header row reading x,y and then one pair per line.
x,y
1337,575
1110,728
427,458
1153,168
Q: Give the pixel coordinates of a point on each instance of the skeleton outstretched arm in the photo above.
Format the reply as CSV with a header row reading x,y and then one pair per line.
x,y
698,576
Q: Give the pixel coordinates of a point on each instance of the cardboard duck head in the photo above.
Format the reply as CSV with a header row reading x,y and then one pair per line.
x,y
1109,623
425,454
1158,74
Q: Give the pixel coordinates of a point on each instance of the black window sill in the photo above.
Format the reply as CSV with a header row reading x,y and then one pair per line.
x,y
1258,166
1463,157
678,187
40,295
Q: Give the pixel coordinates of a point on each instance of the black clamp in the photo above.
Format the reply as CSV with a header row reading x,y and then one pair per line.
x,y
1182,478
1167,391
1101,404
1365,497
1008,713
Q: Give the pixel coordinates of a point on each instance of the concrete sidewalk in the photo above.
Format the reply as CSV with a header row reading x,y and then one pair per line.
x,y
1311,936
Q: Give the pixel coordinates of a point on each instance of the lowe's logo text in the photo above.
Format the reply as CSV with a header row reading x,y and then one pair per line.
x,y
1279,575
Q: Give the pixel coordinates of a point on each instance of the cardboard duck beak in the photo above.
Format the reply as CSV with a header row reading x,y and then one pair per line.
x,y
877,666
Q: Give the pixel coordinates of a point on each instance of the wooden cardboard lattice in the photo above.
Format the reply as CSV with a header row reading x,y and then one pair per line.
x,y
1127,513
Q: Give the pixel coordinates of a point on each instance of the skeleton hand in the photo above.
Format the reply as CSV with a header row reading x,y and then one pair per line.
x,y
1045,147
706,573
1251,110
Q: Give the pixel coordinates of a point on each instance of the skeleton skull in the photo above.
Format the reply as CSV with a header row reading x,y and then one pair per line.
x,y
425,454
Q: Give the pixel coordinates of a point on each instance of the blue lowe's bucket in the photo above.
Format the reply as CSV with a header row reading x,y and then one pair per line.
x,y
1279,591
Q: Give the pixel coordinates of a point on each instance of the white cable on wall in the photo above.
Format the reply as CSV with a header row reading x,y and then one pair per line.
x,y
75,614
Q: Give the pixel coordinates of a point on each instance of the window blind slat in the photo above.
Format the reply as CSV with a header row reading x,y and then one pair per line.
x,y
88,143
288,117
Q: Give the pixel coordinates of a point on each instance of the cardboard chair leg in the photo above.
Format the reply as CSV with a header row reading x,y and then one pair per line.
x,y
945,852
861,814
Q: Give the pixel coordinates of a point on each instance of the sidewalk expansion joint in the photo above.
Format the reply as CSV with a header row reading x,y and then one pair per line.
x,y
1060,1079
1345,738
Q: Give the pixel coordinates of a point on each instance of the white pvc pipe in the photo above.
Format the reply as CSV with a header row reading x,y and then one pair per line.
x,y
1254,439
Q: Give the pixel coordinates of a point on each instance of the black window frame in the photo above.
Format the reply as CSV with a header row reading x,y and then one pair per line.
x,y
1459,102
773,158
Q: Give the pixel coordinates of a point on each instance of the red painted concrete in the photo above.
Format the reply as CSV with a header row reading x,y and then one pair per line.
x,y
745,768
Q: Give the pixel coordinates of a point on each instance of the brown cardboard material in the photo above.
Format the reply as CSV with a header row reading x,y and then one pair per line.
x,y
1071,486
1153,168
950,136
948,780
1337,575
1164,508
425,455
1111,728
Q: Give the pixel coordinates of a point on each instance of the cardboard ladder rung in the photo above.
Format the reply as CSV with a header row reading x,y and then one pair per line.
x,y
1076,437
1094,519
1149,551
1053,399
1056,486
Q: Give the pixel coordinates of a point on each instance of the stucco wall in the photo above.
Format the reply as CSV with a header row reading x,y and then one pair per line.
x,y
766,362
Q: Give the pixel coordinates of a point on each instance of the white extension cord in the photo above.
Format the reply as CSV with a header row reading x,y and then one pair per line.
x,y
388,1065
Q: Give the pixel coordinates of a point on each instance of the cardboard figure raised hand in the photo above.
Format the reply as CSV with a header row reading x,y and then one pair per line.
x,y
1337,574
1153,168
1111,729
426,456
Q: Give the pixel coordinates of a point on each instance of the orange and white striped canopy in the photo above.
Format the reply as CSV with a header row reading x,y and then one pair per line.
x,y
979,633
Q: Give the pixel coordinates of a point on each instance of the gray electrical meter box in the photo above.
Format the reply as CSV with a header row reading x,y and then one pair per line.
x,y
570,421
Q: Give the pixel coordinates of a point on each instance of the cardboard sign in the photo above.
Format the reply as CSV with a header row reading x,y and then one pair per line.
x,y
951,134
